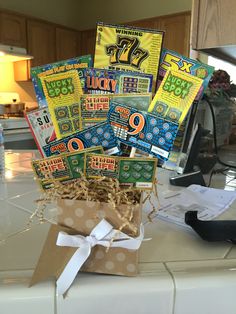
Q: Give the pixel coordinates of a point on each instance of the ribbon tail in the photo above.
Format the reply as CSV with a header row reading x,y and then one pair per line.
x,y
73,266
130,243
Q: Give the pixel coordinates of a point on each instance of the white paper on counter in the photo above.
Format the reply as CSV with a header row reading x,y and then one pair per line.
x,y
209,203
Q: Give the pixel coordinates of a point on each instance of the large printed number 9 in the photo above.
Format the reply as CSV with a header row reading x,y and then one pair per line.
x,y
137,127
78,142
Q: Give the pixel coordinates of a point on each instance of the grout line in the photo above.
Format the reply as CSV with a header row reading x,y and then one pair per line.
x,y
20,207
228,252
174,283
194,260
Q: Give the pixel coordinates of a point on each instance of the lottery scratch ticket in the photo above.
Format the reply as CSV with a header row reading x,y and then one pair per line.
x,y
141,130
42,128
101,134
171,60
128,48
64,167
100,81
62,92
175,95
94,108
78,64
132,172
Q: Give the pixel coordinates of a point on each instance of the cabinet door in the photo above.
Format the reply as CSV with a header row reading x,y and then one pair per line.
x,y
213,28
214,23
177,32
67,43
41,42
12,30
88,40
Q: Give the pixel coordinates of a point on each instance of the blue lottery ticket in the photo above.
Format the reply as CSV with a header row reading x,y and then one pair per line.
x,y
101,81
149,133
101,134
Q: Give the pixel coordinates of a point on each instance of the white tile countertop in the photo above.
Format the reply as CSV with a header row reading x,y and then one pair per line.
x,y
179,272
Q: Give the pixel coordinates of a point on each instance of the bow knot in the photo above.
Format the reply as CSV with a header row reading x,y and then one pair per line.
x,y
102,234
92,240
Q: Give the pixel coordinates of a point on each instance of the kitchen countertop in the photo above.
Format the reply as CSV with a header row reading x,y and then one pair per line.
x,y
179,272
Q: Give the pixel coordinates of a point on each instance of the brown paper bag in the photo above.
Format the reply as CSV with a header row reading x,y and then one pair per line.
x,y
85,215
80,217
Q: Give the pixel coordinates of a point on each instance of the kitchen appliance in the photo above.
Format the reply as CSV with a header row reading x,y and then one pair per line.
x,y
17,134
12,54
10,105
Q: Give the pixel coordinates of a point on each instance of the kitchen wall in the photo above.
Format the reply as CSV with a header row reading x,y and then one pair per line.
x,y
121,11
81,14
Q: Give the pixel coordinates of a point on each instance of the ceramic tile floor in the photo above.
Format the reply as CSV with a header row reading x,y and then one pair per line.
x,y
177,269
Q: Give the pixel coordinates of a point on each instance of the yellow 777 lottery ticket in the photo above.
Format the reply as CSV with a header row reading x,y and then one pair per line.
x,y
128,48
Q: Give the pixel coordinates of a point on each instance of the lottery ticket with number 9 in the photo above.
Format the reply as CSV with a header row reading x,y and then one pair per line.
x,y
144,131
101,134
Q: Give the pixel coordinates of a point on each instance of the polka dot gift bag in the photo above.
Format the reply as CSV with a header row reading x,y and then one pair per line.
x,y
98,232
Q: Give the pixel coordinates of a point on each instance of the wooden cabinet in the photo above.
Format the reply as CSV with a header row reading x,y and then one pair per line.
x,y
177,32
213,28
176,27
67,43
41,42
22,70
47,43
87,43
147,23
12,30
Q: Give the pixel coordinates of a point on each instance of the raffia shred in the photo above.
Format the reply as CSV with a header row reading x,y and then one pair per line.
x,y
103,189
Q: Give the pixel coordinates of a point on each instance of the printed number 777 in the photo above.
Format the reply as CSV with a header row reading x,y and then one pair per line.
x,y
139,126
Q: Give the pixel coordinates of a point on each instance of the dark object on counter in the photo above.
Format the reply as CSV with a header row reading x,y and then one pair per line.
x,y
187,179
206,162
212,231
191,175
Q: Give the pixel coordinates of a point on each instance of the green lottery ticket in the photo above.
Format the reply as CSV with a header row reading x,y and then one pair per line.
x,y
137,173
94,108
63,167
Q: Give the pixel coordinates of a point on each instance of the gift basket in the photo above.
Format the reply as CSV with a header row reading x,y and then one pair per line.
x,y
102,128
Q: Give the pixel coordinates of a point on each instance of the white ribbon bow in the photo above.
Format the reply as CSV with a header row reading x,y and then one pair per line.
x,y
103,234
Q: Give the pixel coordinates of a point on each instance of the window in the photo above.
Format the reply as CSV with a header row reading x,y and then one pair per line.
x,y
223,65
